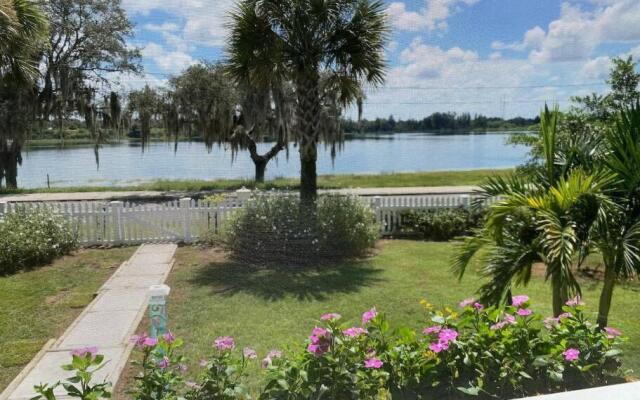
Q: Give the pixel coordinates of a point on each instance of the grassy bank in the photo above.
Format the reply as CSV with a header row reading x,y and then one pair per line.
x,y
440,178
40,304
270,308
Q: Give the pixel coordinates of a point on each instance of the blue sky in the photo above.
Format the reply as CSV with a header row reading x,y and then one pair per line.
x,y
495,57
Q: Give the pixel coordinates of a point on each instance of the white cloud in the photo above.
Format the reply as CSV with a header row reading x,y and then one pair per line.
x,y
164,27
167,60
596,69
203,22
578,33
432,79
433,16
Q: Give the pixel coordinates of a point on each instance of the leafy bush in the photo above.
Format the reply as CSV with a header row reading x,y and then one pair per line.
x,y
471,352
440,224
273,229
30,238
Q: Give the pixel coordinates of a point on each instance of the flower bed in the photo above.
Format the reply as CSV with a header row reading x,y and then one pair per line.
x,y
474,351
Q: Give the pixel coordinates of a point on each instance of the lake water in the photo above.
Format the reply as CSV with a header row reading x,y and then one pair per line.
x,y
126,163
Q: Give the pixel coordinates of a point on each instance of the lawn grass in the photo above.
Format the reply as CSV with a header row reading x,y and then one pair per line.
x,y
440,178
40,304
268,309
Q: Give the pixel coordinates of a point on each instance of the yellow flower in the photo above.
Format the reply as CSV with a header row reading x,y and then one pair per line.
x,y
426,304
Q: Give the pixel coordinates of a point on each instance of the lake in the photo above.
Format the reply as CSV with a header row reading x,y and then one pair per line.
x,y
126,163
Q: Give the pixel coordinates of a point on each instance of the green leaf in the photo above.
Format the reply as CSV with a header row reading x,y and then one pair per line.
x,y
613,353
524,374
471,391
283,384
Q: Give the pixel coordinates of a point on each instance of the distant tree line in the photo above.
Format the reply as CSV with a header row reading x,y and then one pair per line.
x,y
439,121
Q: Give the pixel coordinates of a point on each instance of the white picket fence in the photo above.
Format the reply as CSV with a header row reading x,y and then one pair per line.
x,y
186,220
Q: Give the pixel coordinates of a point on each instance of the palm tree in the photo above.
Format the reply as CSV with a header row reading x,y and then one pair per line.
x,y
617,234
23,27
298,41
545,219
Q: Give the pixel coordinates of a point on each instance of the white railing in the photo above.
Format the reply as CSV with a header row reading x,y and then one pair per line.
x,y
186,220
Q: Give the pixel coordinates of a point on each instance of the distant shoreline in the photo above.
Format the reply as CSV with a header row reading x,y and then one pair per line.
x,y
338,181
74,142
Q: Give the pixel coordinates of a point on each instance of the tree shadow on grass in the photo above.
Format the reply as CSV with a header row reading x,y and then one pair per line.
x,y
271,284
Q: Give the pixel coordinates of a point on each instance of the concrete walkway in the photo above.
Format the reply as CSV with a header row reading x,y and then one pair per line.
x,y
151,196
624,391
107,323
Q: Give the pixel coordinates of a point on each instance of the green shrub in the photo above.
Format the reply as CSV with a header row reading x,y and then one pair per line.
x,y
474,352
440,224
277,229
32,238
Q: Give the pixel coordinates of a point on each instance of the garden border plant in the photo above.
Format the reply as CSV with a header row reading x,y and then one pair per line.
x,y
476,351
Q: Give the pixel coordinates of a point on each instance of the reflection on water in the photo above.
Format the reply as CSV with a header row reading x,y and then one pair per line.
x,y
126,163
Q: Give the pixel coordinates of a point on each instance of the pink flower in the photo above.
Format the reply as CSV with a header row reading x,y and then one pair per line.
x,y
432,329
576,301
164,363
249,353
354,332
612,333
204,363
507,319
168,337
319,332
467,302
369,315
550,322
225,343
84,352
274,354
565,315
319,342
192,385
523,312
330,317
269,358
519,300
478,306
318,349
447,335
183,368
150,342
439,346
571,354
138,340
375,363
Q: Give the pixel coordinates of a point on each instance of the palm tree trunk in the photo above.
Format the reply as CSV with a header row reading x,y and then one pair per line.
x,y
308,120
558,292
606,295
557,299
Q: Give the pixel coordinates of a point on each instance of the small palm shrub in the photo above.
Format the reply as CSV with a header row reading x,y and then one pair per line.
x,y
32,238
440,224
277,229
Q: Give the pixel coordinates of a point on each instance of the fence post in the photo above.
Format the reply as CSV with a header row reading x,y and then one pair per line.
x,y
116,212
377,206
466,200
185,208
3,208
243,195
